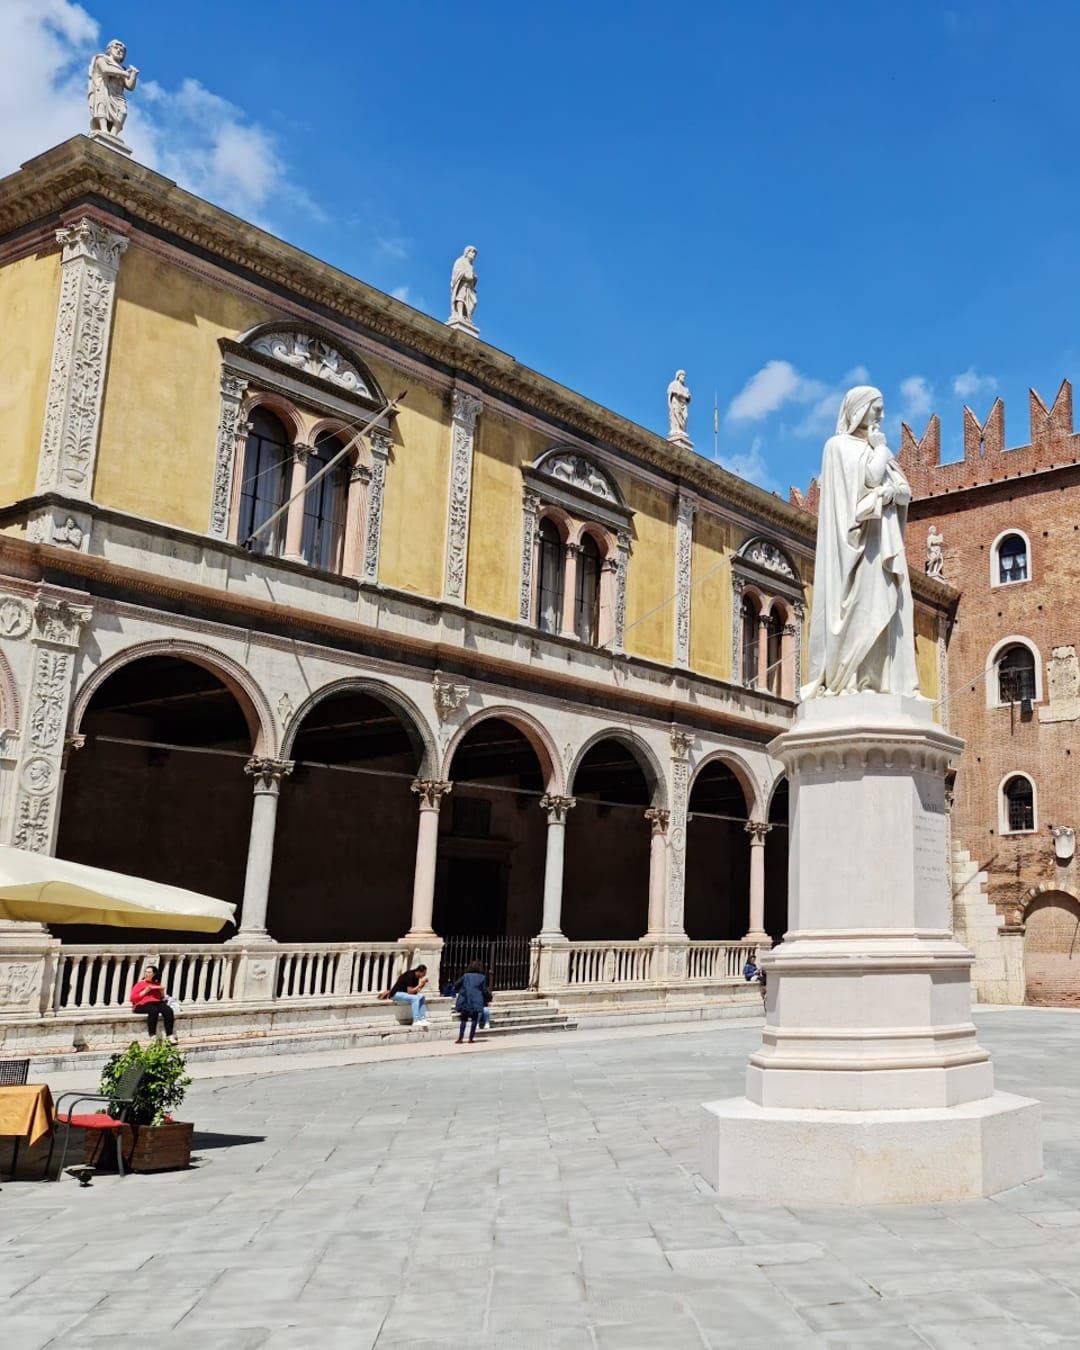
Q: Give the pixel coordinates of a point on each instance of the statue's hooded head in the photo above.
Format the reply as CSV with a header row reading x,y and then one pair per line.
x,y
857,403
116,50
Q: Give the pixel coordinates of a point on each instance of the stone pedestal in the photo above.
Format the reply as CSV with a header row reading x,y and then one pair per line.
x,y
113,142
462,325
28,960
870,1086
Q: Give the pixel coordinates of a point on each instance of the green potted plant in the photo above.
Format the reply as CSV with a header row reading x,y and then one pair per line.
x,y
152,1141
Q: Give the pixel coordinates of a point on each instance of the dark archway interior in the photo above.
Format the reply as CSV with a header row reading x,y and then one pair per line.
x,y
492,837
159,789
777,842
345,847
717,857
606,879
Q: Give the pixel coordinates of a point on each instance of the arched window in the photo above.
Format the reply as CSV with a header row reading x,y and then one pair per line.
x,y
750,635
774,636
587,591
324,506
550,589
1016,675
1019,804
263,484
1012,557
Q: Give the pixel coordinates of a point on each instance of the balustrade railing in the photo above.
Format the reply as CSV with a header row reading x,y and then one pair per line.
x,y
609,963
717,960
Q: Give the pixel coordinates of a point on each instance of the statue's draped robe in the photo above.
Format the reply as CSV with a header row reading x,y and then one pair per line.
x,y
463,288
106,92
862,627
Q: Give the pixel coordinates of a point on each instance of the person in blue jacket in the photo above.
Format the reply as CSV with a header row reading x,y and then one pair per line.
x,y
471,992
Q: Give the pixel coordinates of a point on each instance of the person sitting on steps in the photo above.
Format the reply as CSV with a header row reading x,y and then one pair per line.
x,y
408,988
148,996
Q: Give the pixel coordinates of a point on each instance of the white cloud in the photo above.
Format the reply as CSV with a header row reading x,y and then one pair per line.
x,y
776,383
401,293
750,465
191,134
971,383
917,395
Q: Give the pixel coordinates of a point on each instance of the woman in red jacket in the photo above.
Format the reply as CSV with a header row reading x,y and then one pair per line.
x,y
148,997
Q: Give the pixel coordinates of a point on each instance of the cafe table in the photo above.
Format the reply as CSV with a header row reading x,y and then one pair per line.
x,y
26,1113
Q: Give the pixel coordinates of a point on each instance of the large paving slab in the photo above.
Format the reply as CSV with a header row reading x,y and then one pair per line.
x,y
542,1195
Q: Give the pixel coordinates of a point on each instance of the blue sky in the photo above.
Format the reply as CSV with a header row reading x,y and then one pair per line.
x,y
781,197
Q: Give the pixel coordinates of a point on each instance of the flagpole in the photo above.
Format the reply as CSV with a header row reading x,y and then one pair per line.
x,y
716,428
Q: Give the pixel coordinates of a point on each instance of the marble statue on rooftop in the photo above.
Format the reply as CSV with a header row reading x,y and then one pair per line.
x,y
678,402
463,291
862,627
108,79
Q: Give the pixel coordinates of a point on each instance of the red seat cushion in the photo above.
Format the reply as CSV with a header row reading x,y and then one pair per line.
x,y
98,1122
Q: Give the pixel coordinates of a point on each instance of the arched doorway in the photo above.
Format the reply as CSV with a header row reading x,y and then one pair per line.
x,y
345,847
158,789
717,856
606,879
777,842
1052,951
492,840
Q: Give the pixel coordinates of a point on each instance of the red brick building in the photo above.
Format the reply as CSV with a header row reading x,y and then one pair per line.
x,y
1009,526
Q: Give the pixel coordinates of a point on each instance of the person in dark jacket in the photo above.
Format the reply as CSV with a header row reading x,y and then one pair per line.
x,y
471,992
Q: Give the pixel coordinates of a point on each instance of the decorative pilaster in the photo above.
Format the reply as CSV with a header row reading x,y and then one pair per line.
x,y
465,410
69,440
380,452
800,616
57,630
232,429
267,776
684,536
681,741
737,585
757,830
620,591
430,792
528,554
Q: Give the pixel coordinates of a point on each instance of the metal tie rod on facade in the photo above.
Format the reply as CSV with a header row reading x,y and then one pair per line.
x,y
389,406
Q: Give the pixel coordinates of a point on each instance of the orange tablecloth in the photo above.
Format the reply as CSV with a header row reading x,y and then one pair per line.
x,y
26,1111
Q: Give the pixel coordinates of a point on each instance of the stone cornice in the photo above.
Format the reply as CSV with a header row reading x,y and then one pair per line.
x,y
79,171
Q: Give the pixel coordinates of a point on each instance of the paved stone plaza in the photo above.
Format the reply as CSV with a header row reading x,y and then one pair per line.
x,y
531,1195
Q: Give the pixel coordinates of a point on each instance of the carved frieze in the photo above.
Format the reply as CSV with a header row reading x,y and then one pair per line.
x,y
314,356
69,440
578,472
466,409
764,554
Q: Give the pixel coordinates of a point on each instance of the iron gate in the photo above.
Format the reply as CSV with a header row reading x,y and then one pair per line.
x,y
508,960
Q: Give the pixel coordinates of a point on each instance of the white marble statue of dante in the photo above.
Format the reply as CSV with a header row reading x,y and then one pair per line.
x,y
463,287
678,402
108,80
862,629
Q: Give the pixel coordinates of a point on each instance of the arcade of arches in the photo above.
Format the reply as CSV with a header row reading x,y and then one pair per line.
x,y
162,787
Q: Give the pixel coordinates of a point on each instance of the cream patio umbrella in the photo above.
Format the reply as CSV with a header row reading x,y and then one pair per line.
x,y
35,888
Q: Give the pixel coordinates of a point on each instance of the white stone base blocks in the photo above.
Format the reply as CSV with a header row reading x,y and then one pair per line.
x,y
870,1086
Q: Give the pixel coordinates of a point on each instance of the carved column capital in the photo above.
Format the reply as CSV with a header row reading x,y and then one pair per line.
x,y
59,623
268,774
302,453
557,807
381,442
359,473
757,830
465,409
658,818
87,241
430,791
681,741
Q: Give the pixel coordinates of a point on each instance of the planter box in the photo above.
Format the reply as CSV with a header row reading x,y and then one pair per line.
x,y
146,1148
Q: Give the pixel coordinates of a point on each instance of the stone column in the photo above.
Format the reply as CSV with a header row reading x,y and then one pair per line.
x,y
757,830
684,537
430,793
267,776
573,558
69,441
294,518
353,552
658,819
762,684
380,443
557,809
465,410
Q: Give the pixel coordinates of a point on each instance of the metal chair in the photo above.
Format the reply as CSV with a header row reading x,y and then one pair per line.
x,y
14,1072
120,1102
